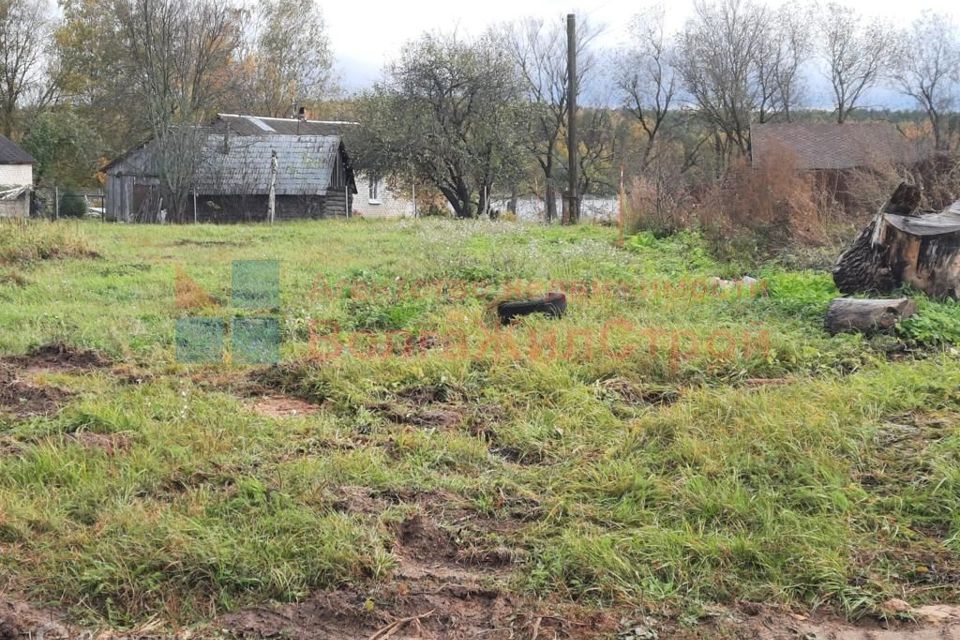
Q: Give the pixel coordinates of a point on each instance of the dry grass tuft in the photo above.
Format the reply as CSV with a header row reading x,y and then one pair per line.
x,y
26,241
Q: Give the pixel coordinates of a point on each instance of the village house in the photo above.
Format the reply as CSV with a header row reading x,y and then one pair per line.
x,y
16,179
374,198
233,172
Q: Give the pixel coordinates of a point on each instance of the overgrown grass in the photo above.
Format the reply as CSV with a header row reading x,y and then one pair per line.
x,y
25,242
719,446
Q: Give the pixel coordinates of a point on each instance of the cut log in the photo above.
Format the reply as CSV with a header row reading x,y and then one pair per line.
x,y
848,315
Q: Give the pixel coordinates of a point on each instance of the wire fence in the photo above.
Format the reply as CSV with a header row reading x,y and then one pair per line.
x,y
54,203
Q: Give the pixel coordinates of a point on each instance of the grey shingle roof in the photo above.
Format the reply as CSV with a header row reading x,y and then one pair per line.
x,y
247,125
12,153
305,164
831,145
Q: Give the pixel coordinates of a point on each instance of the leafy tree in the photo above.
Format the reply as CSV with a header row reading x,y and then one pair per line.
x,y
89,48
64,146
72,205
451,112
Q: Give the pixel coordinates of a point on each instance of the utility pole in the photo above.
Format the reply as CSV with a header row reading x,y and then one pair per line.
x,y
272,195
573,200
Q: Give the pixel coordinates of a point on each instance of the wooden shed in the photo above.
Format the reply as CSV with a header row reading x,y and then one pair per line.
x,y
231,182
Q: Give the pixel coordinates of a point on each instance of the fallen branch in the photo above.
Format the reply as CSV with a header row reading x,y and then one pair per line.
x,y
396,625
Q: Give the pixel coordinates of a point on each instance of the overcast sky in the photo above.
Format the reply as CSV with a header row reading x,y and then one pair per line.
x,y
367,33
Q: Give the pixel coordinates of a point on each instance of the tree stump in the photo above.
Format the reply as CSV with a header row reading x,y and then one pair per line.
x,y
864,267
848,315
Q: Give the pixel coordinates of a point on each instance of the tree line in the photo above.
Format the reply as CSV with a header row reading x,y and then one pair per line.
x,y
80,85
483,115
465,117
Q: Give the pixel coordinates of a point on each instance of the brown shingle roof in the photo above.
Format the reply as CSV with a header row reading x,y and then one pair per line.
x,y
831,145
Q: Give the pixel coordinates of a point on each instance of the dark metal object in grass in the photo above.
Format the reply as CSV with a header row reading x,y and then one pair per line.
x,y
554,305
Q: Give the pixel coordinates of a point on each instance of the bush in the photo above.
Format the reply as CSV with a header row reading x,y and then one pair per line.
x,y
936,325
759,211
72,205
660,203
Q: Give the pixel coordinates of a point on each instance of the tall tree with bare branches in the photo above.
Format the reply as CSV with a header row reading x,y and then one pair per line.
x,y
646,77
539,51
926,67
179,66
857,53
785,45
719,48
25,30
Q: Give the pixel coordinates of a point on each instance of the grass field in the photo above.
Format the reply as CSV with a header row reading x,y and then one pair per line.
x,y
666,451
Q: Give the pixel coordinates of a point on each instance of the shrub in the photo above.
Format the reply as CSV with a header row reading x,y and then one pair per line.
x,y
936,325
660,203
72,205
759,211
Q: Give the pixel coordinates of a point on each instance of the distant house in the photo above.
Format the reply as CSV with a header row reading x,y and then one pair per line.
x,y
831,146
231,182
16,179
374,198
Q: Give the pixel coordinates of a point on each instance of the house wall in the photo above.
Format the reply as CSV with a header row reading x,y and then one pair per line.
x,y
19,208
387,204
16,174
253,208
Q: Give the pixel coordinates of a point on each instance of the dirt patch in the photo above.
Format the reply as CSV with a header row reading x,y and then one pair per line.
x,y
205,243
24,400
433,594
58,356
772,623
354,499
109,443
280,406
431,407
18,620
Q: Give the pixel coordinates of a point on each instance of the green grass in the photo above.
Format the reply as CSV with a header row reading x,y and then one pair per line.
x,y
789,492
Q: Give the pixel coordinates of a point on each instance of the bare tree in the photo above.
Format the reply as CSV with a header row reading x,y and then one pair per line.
x,y
178,65
539,50
25,30
596,157
857,53
786,43
646,77
927,68
719,48
289,61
